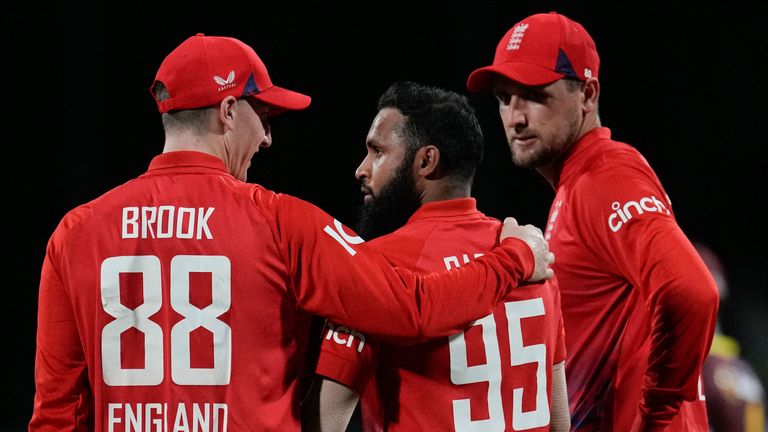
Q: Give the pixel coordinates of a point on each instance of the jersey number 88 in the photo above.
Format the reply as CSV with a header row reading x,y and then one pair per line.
x,y
182,372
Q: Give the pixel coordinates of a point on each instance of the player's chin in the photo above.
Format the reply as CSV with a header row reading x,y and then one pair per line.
x,y
523,159
530,156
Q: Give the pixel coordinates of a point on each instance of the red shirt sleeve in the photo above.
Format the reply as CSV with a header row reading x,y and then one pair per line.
x,y
560,351
347,357
338,276
62,395
629,220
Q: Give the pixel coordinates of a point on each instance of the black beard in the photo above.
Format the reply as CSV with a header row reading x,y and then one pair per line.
x,y
396,202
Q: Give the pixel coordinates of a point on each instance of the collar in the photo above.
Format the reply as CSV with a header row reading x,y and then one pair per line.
x,y
186,162
445,208
581,151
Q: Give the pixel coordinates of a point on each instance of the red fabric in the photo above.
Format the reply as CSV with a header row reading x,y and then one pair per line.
x,y
638,303
538,50
145,316
419,387
203,70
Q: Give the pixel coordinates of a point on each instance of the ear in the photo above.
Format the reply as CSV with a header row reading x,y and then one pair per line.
x,y
591,94
427,160
228,112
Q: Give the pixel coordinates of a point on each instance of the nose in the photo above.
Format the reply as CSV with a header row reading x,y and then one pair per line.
x,y
267,140
513,113
362,170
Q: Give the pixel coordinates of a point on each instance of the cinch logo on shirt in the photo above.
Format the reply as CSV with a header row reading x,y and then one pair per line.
x,y
624,213
344,336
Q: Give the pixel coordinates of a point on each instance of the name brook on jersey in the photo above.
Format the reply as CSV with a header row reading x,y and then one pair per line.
x,y
166,222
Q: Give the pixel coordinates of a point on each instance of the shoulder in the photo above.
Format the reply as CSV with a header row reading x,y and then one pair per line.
x,y
405,245
73,218
491,221
618,173
85,212
616,161
275,202
410,232
76,222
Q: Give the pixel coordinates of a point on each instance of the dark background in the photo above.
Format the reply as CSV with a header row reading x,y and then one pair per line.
x,y
683,85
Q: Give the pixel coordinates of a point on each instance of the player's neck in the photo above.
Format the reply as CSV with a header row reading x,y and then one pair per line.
x,y
551,171
187,141
441,191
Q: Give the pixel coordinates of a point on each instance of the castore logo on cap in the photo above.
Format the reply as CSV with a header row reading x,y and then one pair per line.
x,y
225,83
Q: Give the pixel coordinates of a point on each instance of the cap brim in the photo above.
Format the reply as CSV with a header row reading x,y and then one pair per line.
x,y
282,99
524,73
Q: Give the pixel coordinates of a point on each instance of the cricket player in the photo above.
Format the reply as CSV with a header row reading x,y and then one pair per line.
x,y
181,300
503,371
639,305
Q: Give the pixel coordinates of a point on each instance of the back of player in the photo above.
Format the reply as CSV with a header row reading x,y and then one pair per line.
x,y
494,376
180,300
184,335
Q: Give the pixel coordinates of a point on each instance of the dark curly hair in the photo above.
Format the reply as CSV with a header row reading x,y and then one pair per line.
x,y
442,118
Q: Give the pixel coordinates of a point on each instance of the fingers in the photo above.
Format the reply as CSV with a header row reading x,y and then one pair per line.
x,y
549,274
537,229
534,237
540,276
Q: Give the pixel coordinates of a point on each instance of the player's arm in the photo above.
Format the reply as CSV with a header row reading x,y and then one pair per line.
x,y
328,406
560,418
682,299
62,399
336,405
336,275
650,249
345,365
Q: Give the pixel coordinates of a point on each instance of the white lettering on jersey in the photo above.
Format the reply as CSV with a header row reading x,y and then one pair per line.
x,y
552,219
702,397
342,237
344,336
624,212
453,261
160,417
166,222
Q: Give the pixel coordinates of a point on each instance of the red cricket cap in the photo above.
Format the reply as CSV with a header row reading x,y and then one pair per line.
x,y
539,50
203,70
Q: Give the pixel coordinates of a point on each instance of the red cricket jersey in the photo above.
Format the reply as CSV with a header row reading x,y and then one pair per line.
x,y
639,305
495,375
181,300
